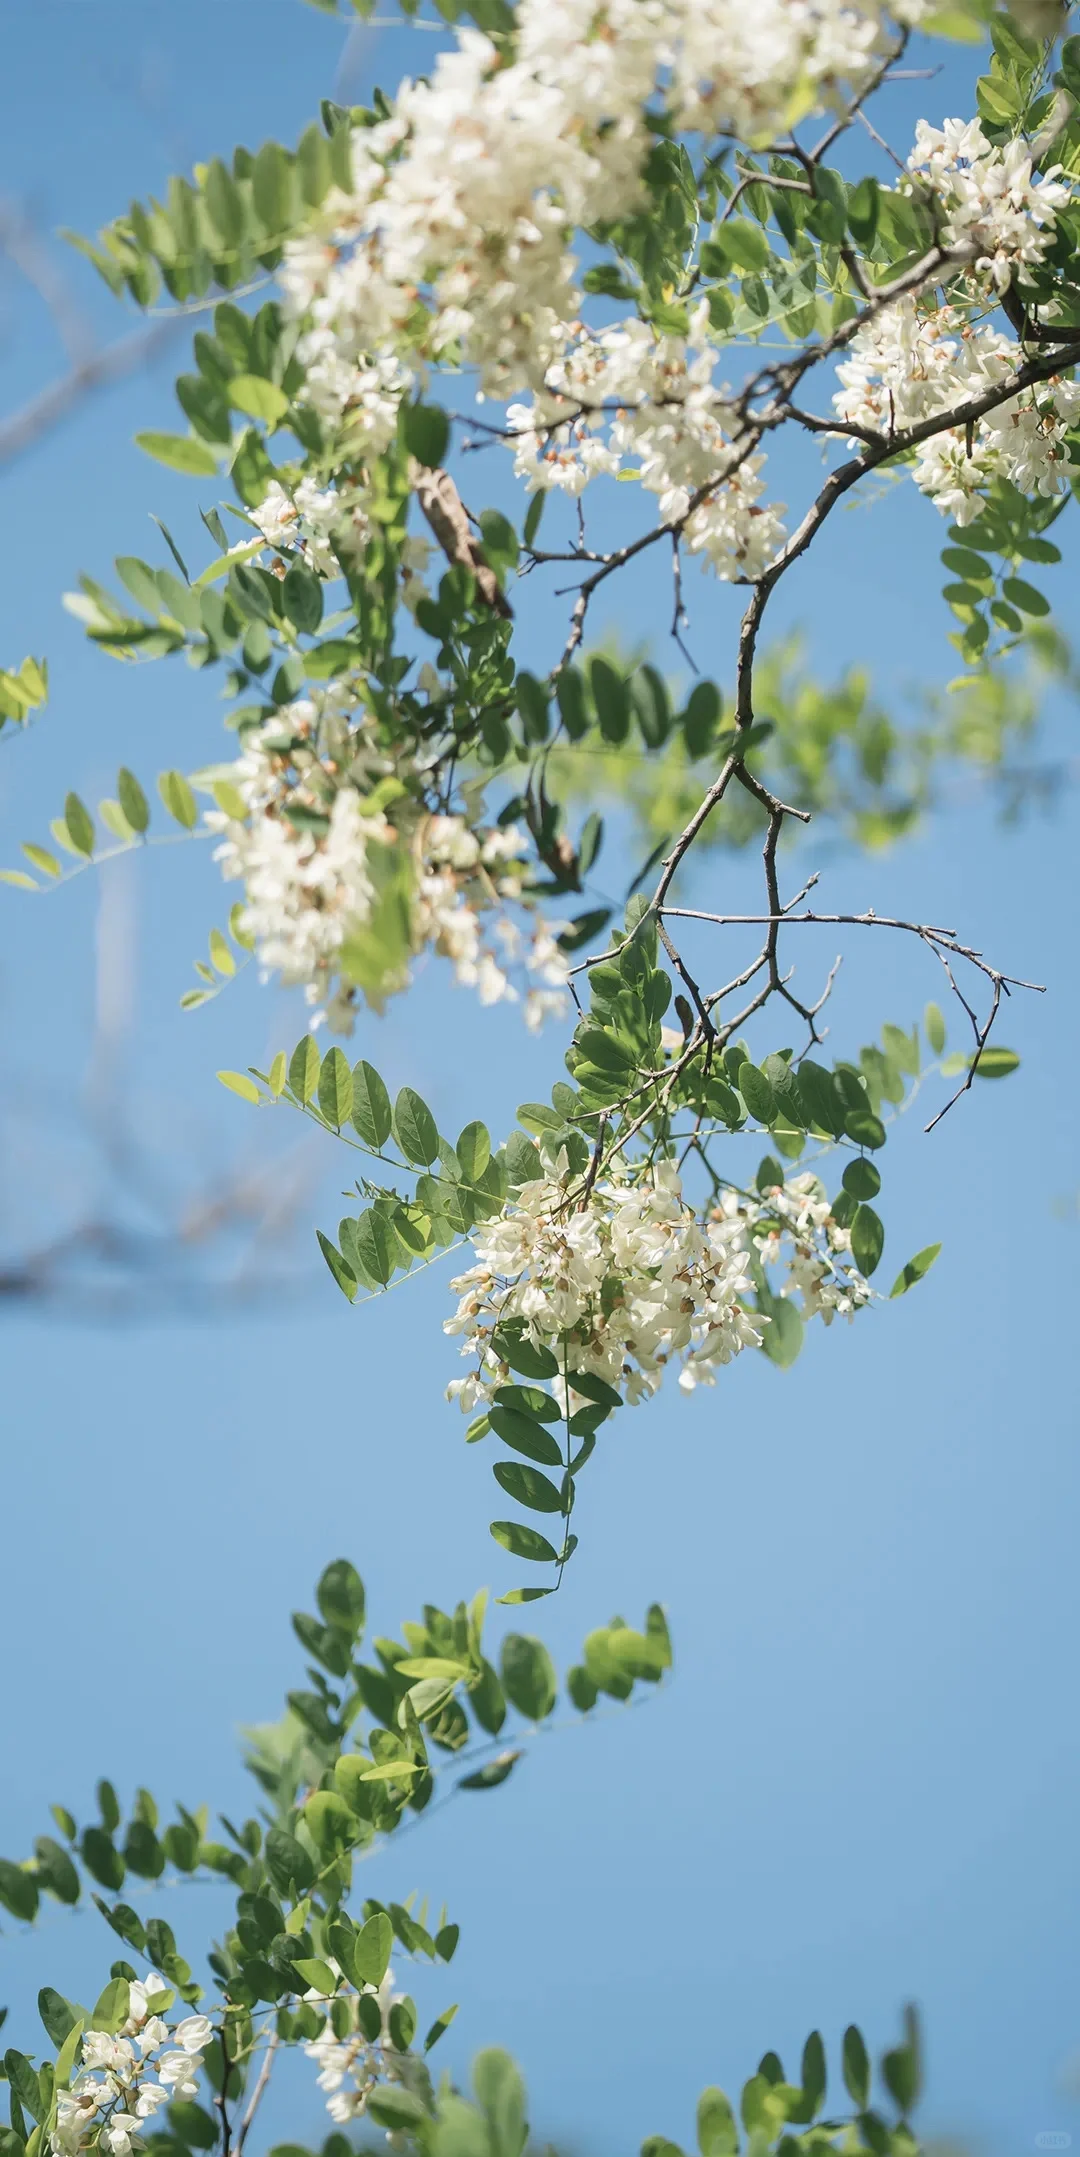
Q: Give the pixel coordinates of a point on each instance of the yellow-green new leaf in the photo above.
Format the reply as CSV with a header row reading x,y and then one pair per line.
x,y
220,955
178,798
914,1270
238,1083
114,820
181,452
259,399
222,564
42,859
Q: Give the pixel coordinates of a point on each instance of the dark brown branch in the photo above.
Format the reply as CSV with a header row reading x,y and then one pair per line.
x,y
446,514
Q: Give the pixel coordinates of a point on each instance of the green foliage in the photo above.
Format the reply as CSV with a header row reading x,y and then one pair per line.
x,y
345,674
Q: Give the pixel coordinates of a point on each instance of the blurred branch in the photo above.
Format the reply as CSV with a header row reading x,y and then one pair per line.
x,y
91,366
139,1232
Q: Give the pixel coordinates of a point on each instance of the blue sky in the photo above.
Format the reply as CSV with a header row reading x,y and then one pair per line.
x,y
860,1786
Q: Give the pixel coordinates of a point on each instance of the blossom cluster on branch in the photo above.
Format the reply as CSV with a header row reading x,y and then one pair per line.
x,y
320,819
623,1278
126,2078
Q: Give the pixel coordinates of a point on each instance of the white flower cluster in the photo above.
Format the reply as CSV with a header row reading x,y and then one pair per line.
x,y
457,867
991,210
456,238
127,2078
800,1229
350,2067
472,189
913,362
626,392
619,1285
311,873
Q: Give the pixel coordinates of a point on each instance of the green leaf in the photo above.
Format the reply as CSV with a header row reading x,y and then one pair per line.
x,y
439,2027
304,1066
372,1947
861,1179
528,1676
523,1542
473,1150
376,1246
915,1269
178,798
271,188
302,592
426,430
867,1239
757,1093
997,1063
717,2133
395,2109
259,399
782,1338
18,1890
370,1106
342,1272
533,704
595,1389
865,1128
80,825
55,1870
24,2083
316,1973
737,241
820,1098
415,1129
529,1401
856,2066
1025,596
181,452
523,1355
523,1163
528,1487
132,800
501,2095
340,1597
112,2007
335,1088
611,696
527,1436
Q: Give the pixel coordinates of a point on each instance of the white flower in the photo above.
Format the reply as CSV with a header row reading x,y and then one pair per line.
x,y
115,2054
120,2135
628,1279
150,2097
996,213
193,2034
179,2072
655,400
912,363
470,193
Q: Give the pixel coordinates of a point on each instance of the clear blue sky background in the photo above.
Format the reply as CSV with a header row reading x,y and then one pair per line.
x,y
861,1786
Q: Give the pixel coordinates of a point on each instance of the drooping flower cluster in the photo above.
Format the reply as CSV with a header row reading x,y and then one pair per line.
x,y
455,241
352,2062
796,1227
991,209
470,192
331,819
125,2079
627,393
623,1280
913,362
